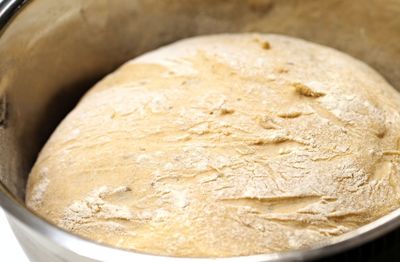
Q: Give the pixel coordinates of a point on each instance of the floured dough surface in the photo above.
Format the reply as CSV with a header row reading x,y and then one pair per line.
x,y
224,145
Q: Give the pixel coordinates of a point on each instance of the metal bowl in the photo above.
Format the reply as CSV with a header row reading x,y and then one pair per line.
x,y
52,51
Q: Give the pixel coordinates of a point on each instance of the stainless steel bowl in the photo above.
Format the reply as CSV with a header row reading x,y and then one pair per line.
x,y
52,51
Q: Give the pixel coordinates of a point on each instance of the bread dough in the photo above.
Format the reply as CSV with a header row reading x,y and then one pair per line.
x,y
224,145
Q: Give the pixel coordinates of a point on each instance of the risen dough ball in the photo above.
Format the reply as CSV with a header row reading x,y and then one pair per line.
x,y
224,145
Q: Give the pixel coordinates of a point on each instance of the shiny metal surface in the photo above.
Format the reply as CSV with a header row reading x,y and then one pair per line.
x,y
7,8
52,51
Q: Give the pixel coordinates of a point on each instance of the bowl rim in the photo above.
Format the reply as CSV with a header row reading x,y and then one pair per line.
x,y
15,209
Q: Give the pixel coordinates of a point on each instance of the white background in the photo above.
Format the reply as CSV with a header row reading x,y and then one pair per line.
x,y
10,249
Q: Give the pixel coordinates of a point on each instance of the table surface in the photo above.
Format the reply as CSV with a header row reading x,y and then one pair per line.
x,y
9,246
